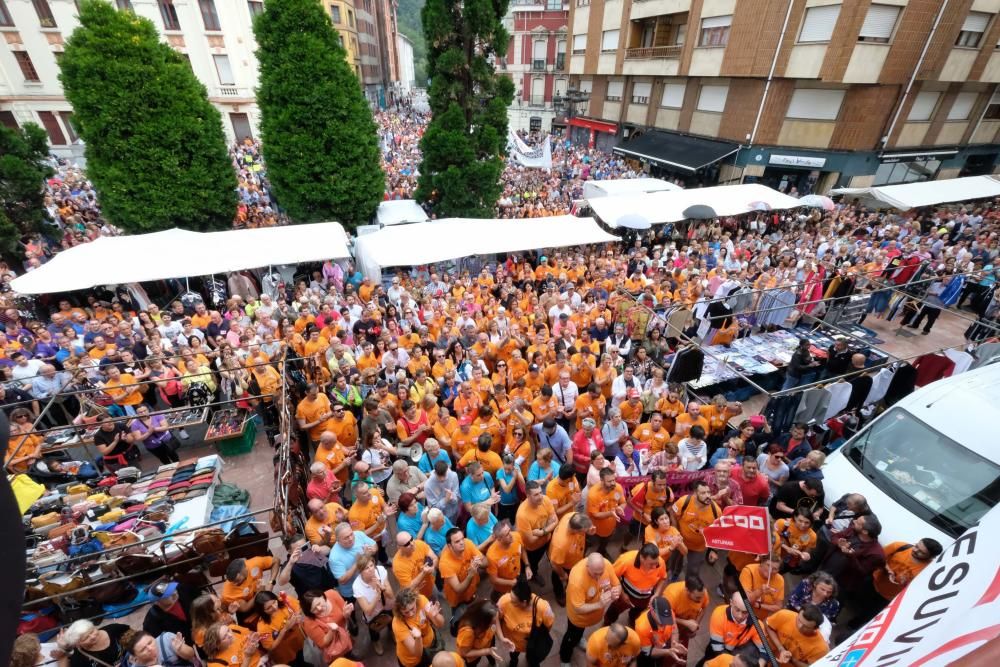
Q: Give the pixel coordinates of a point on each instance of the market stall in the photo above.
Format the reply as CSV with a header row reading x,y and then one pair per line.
x,y
177,253
452,238
927,193
663,207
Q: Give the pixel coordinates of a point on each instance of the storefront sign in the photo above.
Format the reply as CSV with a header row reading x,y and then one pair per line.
x,y
798,161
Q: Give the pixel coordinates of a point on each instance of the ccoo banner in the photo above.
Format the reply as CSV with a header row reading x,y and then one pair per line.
x,y
740,528
948,615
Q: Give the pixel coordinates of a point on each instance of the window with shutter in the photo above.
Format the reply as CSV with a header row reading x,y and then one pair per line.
x,y
880,21
818,24
923,106
586,85
615,89
972,29
640,92
673,95
609,40
961,108
579,44
713,98
715,31
224,70
815,104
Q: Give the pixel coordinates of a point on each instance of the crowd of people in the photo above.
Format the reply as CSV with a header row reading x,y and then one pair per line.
x,y
494,453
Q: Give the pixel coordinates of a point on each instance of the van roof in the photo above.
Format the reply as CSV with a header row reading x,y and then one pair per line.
x,y
963,408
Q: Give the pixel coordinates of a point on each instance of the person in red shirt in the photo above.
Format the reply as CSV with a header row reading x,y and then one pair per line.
x,y
752,483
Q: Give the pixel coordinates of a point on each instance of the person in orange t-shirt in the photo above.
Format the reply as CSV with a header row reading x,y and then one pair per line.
x,y
764,585
243,579
613,646
795,637
688,419
314,413
688,601
592,587
692,513
279,626
606,507
536,520
591,404
653,433
506,557
460,565
569,541
643,575
903,563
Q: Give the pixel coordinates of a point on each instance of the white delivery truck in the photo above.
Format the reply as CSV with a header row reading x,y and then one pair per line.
x,y
929,465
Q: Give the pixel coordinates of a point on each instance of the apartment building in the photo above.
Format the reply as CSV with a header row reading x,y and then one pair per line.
x,y
216,36
536,61
804,94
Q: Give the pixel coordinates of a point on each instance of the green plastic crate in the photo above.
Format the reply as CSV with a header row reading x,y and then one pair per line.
x,y
240,444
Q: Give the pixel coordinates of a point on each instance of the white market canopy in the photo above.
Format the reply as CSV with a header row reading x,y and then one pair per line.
x,y
925,193
400,211
663,207
452,238
626,186
177,253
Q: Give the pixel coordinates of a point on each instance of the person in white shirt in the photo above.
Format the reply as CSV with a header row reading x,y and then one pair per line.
x,y
566,392
692,450
621,384
560,308
374,595
25,369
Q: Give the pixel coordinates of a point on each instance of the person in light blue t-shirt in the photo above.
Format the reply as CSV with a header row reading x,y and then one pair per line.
x,y
479,529
477,487
350,545
432,454
437,529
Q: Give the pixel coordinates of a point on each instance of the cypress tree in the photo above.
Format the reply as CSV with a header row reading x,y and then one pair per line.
x,y
465,141
318,134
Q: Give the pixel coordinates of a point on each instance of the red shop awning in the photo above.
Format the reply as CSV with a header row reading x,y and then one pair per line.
x,y
591,124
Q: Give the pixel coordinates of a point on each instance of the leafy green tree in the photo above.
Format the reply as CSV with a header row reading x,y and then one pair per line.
x,y
156,152
23,170
464,144
408,20
319,138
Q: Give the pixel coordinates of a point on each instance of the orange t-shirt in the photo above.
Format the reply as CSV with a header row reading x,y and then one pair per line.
x,y
529,518
516,620
656,439
904,567
505,562
752,579
584,589
600,499
804,648
560,493
691,518
566,548
310,410
269,630
233,654
346,429
407,569
603,655
401,630
461,441
256,567
450,565
681,603
364,516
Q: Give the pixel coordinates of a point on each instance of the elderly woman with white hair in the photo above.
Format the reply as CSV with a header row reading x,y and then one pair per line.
x,y
90,646
438,526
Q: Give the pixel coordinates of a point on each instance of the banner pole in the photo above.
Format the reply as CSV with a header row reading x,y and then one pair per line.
x,y
765,643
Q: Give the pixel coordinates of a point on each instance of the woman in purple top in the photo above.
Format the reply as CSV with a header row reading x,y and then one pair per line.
x,y
153,432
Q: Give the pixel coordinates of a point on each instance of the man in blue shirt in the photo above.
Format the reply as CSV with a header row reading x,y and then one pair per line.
x,y
477,487
343,560
442,490
552,435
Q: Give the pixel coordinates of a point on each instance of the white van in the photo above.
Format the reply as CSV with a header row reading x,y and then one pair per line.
x,y
929,465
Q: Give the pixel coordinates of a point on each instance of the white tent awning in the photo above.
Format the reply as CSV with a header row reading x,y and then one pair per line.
x,y
400,211
925,193
177,253
663,207
452,238
626,186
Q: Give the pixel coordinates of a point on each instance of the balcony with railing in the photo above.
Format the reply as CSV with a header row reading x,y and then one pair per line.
x,y
536,101
653,52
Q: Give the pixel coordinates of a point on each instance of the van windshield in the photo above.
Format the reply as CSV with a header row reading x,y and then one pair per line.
x,y
932,476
